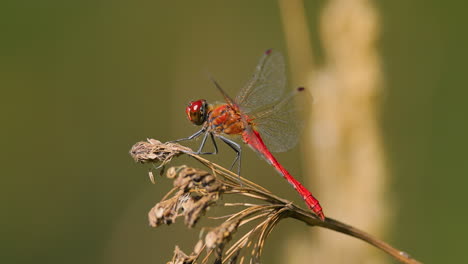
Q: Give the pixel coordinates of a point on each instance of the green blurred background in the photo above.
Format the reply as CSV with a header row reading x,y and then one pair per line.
x,y
82,81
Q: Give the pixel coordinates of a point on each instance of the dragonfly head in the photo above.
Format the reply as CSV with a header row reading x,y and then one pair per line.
x,y
197,111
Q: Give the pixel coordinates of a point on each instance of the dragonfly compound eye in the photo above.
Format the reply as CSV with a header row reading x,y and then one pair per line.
x,y
196,111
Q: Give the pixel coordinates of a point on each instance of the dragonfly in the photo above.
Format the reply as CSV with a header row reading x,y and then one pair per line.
x,y
262,114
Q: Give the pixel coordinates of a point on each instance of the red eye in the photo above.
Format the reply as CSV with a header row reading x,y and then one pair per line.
x,y
196,111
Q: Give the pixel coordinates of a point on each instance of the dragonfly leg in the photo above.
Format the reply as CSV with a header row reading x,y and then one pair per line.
x,y
214,144
237,148
199,151
195,135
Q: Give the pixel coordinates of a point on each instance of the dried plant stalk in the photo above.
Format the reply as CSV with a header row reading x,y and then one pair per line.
x,y
195,191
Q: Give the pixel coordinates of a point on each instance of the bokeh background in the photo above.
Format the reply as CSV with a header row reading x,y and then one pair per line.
x,y
82,81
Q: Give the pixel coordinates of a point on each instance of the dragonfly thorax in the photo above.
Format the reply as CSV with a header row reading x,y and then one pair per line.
x,y
226,118
197,111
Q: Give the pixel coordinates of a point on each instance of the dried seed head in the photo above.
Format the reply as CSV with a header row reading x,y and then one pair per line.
x,y
155,151
151,176
203,187
164,212
181,258
221,235
197,191
172,172
196,207
190,179
198,247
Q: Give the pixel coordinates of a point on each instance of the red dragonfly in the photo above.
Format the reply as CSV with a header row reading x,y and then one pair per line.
x,y
261,114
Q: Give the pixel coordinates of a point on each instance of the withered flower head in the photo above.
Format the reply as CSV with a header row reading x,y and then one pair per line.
x,y
153,150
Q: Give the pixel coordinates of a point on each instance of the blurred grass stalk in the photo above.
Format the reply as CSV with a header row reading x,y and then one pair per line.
x,y
344,145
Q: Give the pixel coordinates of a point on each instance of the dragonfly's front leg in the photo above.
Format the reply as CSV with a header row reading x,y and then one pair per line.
x,y
237,148
195,135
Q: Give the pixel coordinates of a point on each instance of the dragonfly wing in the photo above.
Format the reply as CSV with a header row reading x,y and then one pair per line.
x,y
267,84
279,126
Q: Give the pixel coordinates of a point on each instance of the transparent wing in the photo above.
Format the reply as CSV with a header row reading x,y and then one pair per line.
x,y
280,126
267,84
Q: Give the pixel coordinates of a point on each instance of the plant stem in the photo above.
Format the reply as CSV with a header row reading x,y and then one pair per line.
x,y
343,228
